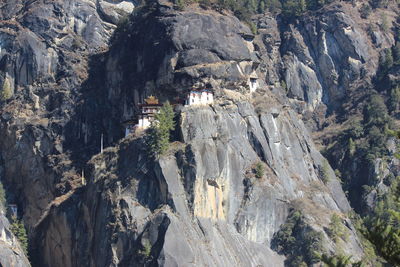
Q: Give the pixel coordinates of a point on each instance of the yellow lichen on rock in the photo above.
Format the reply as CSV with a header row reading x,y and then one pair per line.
x,y
208,200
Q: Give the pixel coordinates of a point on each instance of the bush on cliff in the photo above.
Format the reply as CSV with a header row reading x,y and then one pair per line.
x,y
6,92
259,170
324,171
336,229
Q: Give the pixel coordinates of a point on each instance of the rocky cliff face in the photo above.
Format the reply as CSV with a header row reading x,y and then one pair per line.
x,y
323,58
11,253
75,79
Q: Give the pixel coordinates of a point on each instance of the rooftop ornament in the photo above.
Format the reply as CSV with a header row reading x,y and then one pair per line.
x,y
151,100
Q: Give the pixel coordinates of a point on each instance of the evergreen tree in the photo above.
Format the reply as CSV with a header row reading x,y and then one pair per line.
x,y
394,100
396,53
365,10
376,112
385,63
2,197
160,129
379,3
293,8
18,229
273,5
261,7
384,225
301,244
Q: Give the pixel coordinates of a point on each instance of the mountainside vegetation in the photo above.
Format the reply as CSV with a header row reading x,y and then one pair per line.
x,y
364,144
290,9
158,136
298,241
383,224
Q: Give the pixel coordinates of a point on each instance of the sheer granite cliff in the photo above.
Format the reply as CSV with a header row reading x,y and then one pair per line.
x,y
325,57
74,79
196,206
11,253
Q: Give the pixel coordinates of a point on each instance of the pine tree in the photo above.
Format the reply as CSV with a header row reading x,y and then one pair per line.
x,y
376,112
394,100
18,229
261,7
2,197
293,8
385,63
396,52
159,131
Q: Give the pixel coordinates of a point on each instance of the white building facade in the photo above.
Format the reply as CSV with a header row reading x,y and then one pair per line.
x,y
253,81
199,97
144,121
148,110
253,84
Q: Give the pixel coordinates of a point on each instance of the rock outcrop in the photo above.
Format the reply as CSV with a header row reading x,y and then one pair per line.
x,y
198,205
324,57
11,253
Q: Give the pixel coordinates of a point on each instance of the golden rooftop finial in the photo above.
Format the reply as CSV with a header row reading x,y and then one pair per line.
x,y
151,100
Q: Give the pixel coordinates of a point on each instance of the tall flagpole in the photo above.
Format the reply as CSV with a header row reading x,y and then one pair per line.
x,y
101,144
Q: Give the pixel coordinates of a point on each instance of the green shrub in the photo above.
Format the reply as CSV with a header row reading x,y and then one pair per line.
x,y
259,170
365,10
336,229
283,85
352,147
357,130
6,92
180,4
337,261
146,250
385,23
253,27
324,171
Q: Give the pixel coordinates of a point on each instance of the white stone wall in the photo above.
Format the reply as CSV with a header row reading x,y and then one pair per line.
x,y
200,98
144,122
253,84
